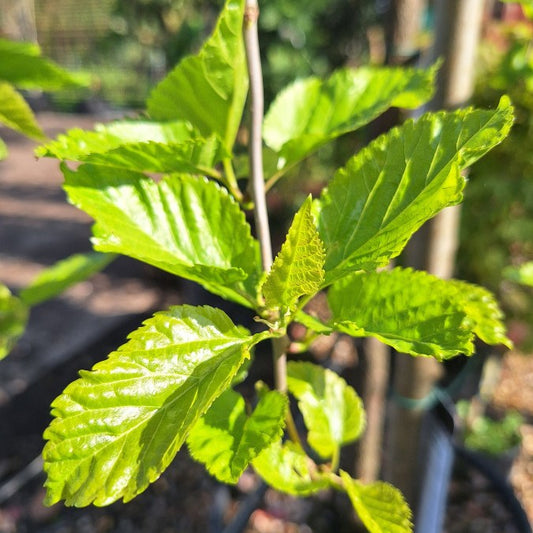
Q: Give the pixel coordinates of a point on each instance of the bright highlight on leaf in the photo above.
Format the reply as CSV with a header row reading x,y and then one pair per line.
x,y
415,312
310,112
226,439
57,278
287,468
120,425
380,506
297,270
403,178
209,89
332,410
13,318
186,225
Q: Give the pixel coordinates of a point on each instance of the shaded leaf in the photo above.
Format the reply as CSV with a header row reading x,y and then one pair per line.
x,y
23,66
120,425
13,319
380,506
390,188
297,270
414,312
332,410
62,275
185,225
209,89
311,112
225,439
286,468
16,114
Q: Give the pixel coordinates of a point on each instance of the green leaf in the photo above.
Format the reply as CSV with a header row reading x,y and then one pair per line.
x,y
13,319
65,273
390,188
380,506
120,425
414,312
16,114
484,315
22,66
185,225
332,410
286,468
76,144
209,89
297,270
3,150
225,439
522,274
310,112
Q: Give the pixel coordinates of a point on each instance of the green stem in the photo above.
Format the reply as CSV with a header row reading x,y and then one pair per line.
x,y
231,180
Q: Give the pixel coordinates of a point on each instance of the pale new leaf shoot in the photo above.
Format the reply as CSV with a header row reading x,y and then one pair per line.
x,y
13,319
15,113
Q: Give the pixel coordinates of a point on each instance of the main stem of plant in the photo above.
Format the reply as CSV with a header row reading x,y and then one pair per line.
x,y
257,181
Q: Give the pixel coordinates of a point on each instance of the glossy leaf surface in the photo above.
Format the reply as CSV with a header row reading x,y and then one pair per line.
x,y
226,439
311,112
297,270
119,426
65,273
185,225
380,506
13,319
415,312
287,468
209,89
332,410
403,178
16,114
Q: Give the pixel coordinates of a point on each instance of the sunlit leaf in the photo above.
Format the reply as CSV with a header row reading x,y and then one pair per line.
x,y
287,468
521,274
390,188
65,273
3,150
185,225
120,425
16,114
226,439
332,410
209,89
76,144
297,270
414,312
310,112
380,506
22,66
13,319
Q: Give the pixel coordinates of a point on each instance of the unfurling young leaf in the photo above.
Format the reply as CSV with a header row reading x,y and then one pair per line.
x,y
226,439
186,225
65,273
120,425
415,312
380,506
209,89
390,188
297,270
287,468
13,318
332,410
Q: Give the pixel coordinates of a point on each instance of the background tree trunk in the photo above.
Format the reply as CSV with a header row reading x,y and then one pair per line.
x,y
458,25
17,20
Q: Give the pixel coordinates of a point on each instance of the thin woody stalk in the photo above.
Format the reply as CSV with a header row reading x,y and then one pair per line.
x,y
257,182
